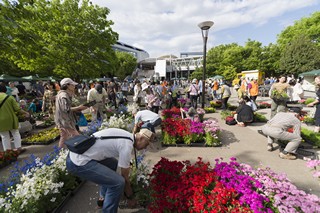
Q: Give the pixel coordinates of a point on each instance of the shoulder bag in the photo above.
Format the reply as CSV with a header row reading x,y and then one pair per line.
x,y
4,100
81,143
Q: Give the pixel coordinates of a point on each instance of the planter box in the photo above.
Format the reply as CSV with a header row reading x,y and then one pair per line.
x,y
67,198
25,126
43,126
202,144
6,163
41,142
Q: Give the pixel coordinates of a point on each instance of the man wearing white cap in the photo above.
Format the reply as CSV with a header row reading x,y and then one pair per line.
x,y
99,164
64,117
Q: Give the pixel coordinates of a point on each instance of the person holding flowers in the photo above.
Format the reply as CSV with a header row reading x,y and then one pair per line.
x,y
278,95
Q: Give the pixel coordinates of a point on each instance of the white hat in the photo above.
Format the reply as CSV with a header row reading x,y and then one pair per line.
x,y
66,81
194,81
144,86
236,86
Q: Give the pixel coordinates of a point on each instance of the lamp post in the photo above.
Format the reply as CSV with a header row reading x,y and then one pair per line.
x,y
204,26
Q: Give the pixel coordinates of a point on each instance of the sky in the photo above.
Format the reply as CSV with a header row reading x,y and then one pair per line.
x,y
163,27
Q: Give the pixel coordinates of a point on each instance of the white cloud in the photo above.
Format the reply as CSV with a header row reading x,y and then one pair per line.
x,y
170,27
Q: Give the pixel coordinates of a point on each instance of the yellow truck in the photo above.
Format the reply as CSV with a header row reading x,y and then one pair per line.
x,y
250,74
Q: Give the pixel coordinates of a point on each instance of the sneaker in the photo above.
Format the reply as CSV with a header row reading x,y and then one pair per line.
x,y
270,147
287,156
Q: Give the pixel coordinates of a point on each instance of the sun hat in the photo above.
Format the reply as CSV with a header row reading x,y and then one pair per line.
x,y
194,81
66,81
147,134
144,86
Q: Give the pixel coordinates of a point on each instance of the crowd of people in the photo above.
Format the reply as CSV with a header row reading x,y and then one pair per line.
x,y
100,162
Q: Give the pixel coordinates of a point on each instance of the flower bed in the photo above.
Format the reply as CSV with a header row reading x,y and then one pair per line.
x,y
42,138
263,105
227,187
188,132
8,157
38,185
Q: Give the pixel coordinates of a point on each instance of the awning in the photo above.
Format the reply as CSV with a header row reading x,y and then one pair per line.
x,y
310,73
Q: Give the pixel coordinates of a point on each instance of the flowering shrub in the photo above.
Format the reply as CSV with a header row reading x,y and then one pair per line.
x,y
38,186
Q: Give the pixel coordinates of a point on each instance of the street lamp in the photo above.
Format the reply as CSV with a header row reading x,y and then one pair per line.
x,y
204,26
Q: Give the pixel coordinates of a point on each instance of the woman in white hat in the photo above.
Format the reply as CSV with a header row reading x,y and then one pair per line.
x,y
194,93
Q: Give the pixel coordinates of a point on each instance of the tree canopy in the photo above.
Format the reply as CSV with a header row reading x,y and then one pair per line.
x,y
59,37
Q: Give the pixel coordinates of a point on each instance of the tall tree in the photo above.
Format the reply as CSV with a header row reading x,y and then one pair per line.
x,y
252,55
60,37
300,55
308,26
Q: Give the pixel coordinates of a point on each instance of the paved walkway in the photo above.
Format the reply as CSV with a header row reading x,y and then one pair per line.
x,y
244,143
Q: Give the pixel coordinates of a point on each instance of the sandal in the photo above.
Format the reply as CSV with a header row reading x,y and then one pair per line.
x,y
100,202
20,150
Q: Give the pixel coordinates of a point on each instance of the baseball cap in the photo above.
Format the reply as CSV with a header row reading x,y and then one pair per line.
x,y
98,87
66,81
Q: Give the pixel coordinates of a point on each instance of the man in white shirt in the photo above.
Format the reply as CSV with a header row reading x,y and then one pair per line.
x,y
99,163
98,94
149,120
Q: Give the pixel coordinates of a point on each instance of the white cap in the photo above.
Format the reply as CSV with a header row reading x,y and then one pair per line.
x,y
144,86
66,81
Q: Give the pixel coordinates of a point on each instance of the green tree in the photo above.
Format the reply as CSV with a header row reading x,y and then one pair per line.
x,y
126,64
300,55
252,55
197,74
229,73
308,26
64,38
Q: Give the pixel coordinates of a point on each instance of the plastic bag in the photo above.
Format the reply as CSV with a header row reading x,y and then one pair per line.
x,y
82,120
